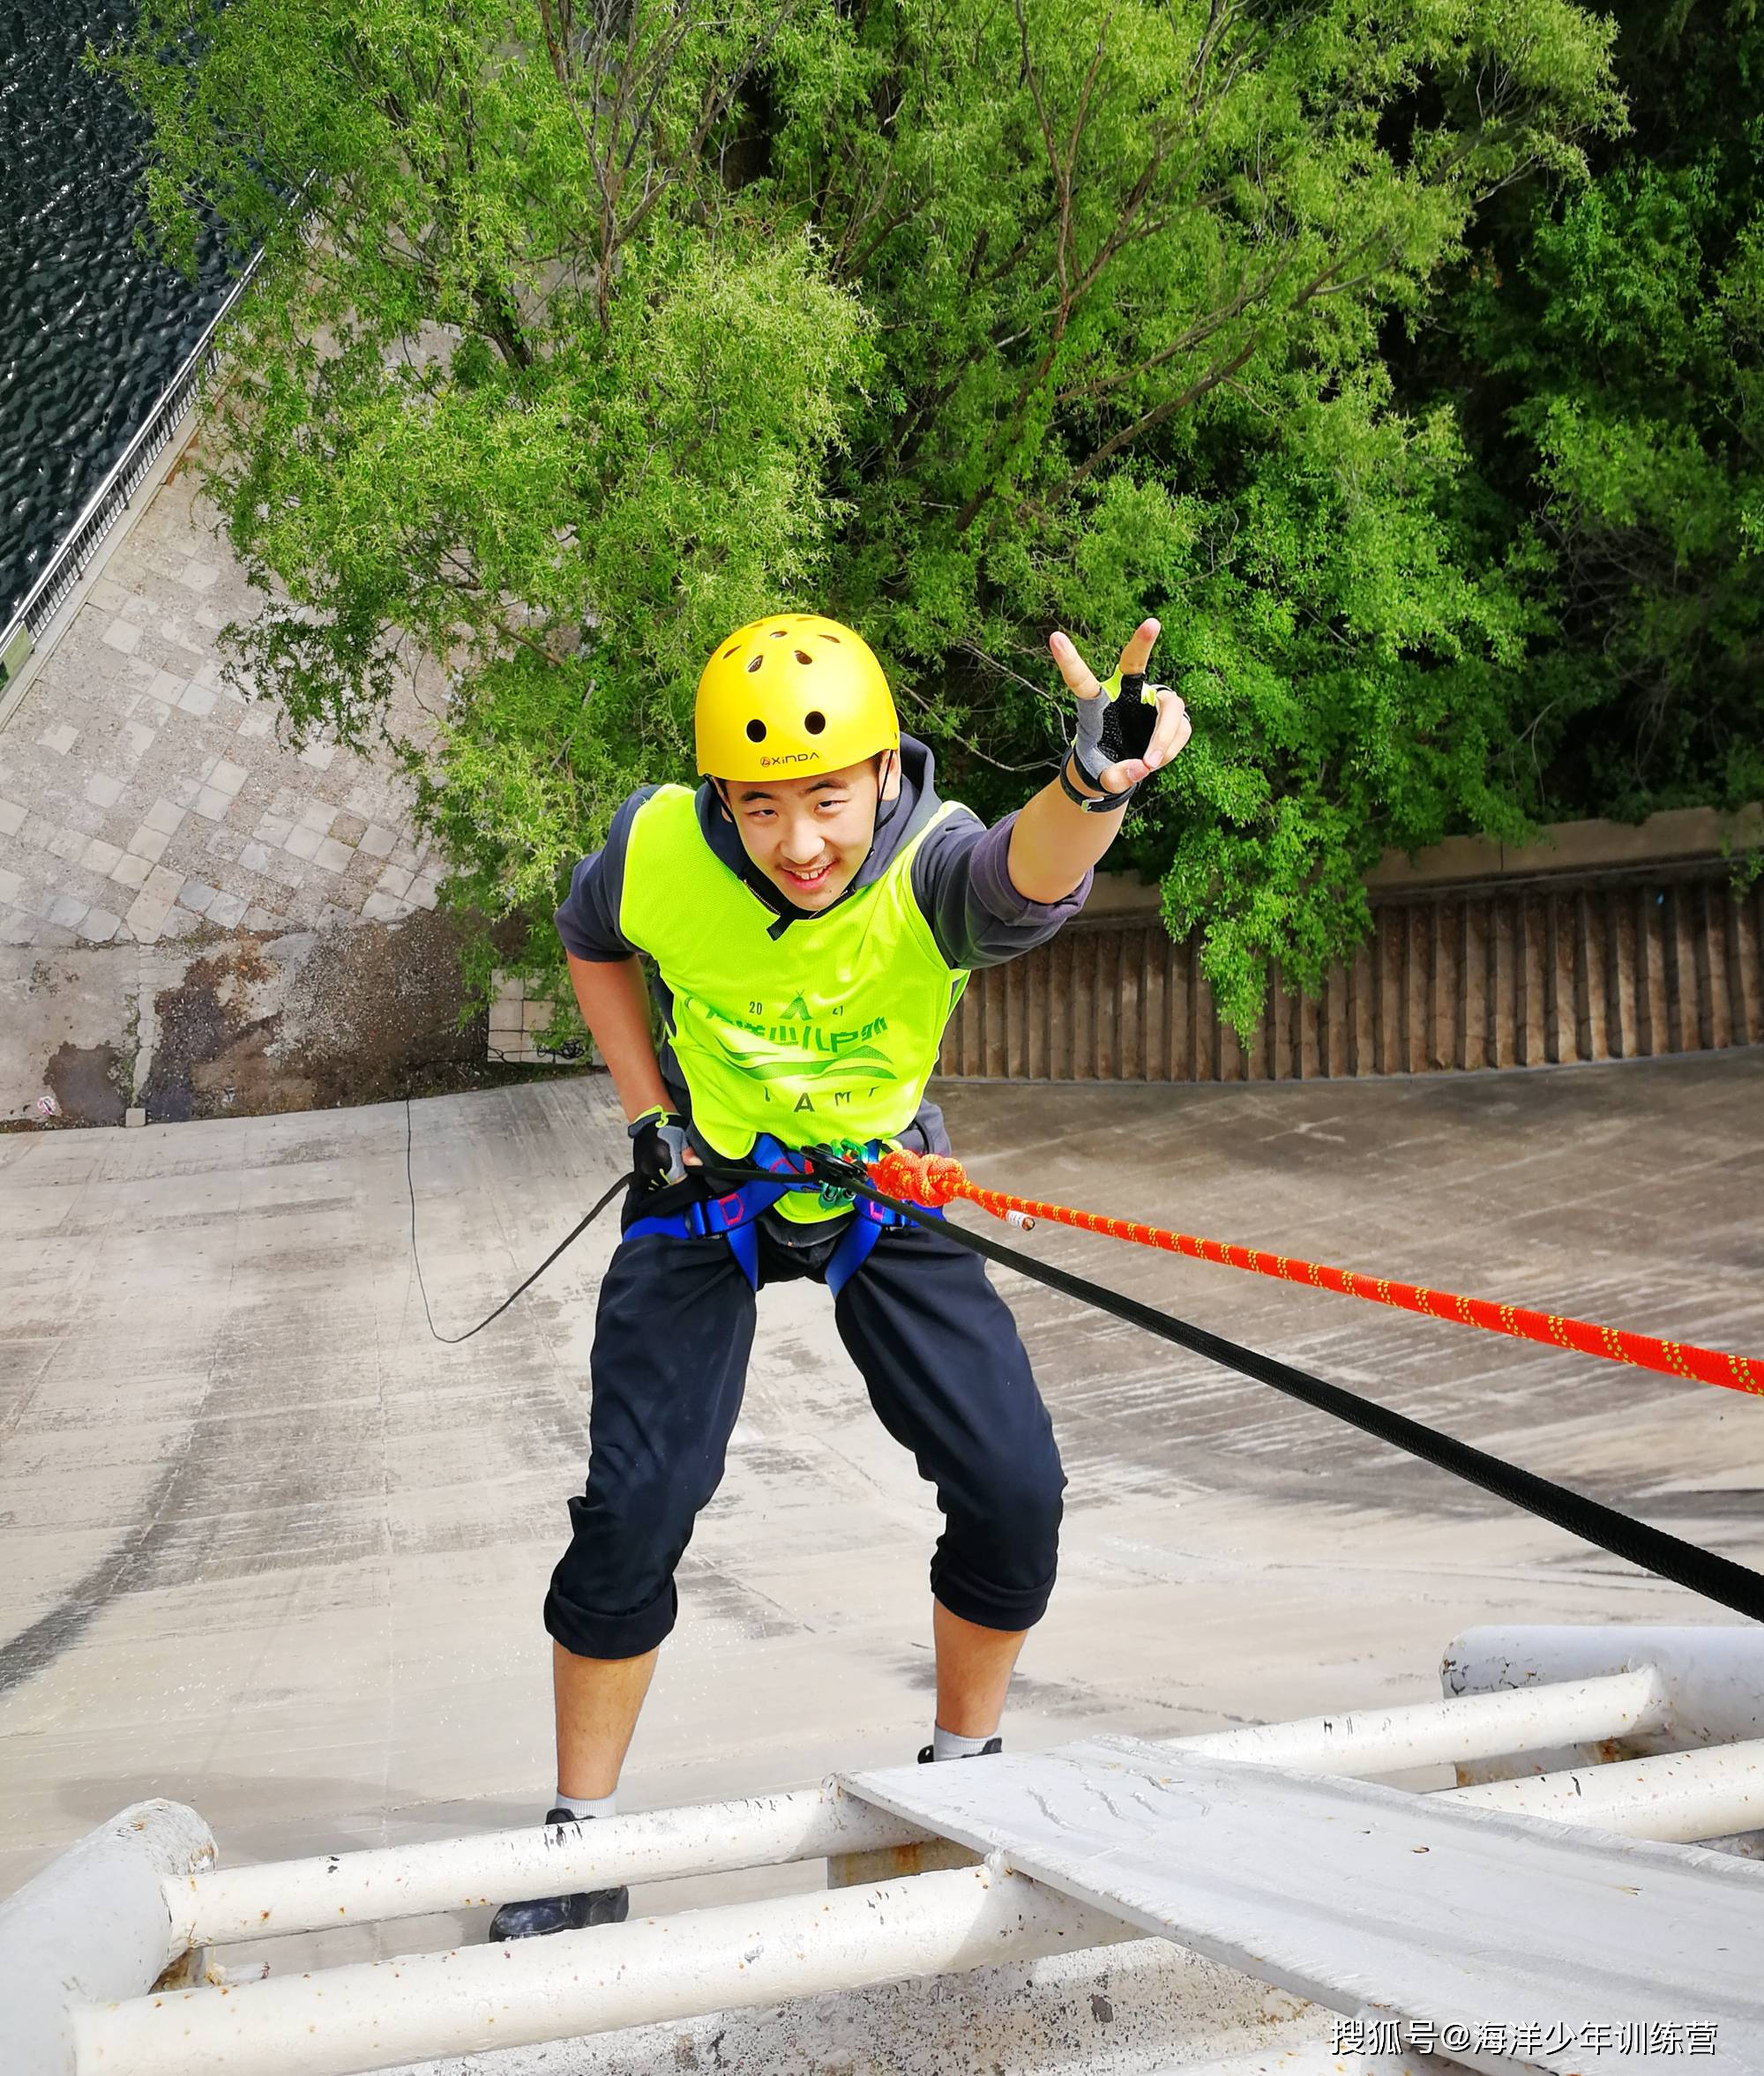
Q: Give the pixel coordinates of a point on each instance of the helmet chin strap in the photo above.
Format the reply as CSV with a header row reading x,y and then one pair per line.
x,y
885,804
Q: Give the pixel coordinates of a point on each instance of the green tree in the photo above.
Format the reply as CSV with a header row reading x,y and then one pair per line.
x,y
958,318
1610,336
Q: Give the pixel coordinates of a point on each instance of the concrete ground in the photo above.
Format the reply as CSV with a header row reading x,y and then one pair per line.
x,y
274,1551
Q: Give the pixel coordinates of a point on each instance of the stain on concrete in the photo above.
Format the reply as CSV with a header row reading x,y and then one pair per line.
x,y
86,1080
119,1570
210,1048
377,1010
245,1025
311,1020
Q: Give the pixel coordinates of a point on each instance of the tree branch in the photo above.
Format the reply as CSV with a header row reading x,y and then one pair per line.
x,y
1195,390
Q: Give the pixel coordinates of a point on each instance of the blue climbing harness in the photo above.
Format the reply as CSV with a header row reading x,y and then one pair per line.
x,y
735,1216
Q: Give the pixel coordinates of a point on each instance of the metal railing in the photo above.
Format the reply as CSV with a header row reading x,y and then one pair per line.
x,y
59,576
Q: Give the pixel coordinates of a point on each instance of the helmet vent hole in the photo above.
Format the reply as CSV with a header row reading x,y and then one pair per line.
x,y
814,722
778,634
833,638
727,652
755,664
802,656
756,731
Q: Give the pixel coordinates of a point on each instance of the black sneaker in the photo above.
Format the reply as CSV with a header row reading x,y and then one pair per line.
x,y
993,1745
560,1913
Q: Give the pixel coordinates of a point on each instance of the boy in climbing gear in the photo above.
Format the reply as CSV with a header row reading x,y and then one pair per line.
x,y
812,914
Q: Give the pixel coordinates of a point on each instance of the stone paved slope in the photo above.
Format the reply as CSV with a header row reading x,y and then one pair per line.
x,y
140,799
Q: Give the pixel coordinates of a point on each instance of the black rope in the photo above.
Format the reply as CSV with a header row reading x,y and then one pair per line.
x,y
1715,1578
1701,1572
574,1234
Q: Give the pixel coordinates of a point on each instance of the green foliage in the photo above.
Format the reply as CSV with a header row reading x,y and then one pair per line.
x,y
1614,337
958,319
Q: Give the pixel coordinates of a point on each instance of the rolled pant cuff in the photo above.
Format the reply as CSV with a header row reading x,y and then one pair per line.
x,y
987,1606
588,1635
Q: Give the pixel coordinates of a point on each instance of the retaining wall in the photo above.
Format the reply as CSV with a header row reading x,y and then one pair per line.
x,y
233,1024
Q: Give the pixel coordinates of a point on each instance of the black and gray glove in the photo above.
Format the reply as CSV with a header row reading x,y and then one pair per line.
x,y
658,1147
1118,723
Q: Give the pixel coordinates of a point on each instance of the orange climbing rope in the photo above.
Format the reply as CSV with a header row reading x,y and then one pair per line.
x,y
936,1179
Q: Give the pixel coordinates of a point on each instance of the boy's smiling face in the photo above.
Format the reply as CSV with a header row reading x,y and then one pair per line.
x,y
810,836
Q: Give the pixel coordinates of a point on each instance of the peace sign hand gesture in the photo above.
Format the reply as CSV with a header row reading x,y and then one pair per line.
x,y
1126,728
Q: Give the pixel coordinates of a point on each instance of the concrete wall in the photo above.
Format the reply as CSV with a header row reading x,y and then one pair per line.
x,y
229,1025
1600,957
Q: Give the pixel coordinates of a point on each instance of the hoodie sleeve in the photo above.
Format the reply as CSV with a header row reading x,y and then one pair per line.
x,y
588,920
961,881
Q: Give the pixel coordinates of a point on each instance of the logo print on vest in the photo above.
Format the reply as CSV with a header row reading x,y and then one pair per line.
x,y
796,1046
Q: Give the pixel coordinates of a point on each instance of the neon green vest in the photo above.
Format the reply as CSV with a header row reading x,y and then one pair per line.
x,y
828,1031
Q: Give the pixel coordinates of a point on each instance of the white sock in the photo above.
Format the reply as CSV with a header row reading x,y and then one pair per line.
x,y
947,1744
587,1806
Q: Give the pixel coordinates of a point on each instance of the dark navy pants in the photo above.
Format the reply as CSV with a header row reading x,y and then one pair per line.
x,y
946,1373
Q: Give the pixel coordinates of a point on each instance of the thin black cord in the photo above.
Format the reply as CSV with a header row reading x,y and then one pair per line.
x,y
575,1233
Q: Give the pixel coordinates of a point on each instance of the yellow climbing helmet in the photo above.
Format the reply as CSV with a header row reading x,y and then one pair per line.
x,y
791,695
